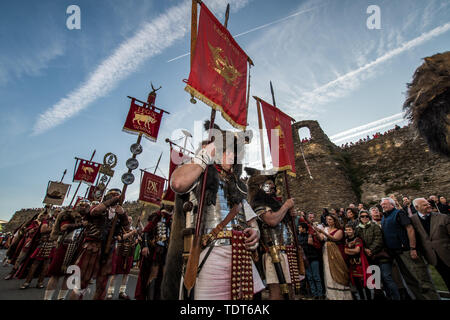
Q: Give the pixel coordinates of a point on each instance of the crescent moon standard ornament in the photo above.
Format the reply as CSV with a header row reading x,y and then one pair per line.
x,y
132,163
127,178
136,148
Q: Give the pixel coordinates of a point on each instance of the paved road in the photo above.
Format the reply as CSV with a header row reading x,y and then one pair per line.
x,y
10,289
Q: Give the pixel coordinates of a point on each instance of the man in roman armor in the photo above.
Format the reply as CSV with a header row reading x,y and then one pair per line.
x,y
65,233
95,260
28,238
40,258
155,238
229,231
122,260
279,260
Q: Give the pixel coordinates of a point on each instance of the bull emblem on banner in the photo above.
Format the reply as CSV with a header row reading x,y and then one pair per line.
x,y
143,118
87,170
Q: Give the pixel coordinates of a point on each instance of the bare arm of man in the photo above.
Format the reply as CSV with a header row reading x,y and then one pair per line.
x,y
274,218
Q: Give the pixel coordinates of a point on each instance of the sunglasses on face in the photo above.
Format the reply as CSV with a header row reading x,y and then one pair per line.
x,y
363,216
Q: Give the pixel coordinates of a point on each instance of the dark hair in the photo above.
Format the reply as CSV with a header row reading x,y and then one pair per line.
x,y
350,225
354,211
303,225
337,224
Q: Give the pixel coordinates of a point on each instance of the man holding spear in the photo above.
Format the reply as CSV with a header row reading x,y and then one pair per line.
x,y
229,231
92,260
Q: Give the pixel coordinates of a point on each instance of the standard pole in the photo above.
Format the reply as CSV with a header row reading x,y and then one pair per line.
x,y
193,259
261,136
288,195
64,173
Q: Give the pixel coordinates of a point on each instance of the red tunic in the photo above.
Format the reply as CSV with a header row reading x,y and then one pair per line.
x,y
358,263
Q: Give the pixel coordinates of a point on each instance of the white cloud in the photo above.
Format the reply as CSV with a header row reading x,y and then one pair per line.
x,y
151,40
343,84
29,65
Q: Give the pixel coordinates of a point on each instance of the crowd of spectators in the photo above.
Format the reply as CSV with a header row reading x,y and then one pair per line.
x,y
305,140
343,247
368,138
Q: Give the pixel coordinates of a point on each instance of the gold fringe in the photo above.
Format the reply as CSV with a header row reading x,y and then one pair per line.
x,y
137,132
170,203
287,168
146,203
213,105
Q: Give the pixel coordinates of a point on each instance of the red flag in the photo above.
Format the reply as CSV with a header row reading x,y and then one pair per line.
x,y
87,171
218,74
143,120
279,132
152,187
176,158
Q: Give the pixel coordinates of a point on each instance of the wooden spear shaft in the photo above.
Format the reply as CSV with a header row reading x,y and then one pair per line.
x,y
288,195
64,173
157,164
193,259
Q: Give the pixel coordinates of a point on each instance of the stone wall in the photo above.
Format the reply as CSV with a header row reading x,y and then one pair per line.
x,y
330,185
401,163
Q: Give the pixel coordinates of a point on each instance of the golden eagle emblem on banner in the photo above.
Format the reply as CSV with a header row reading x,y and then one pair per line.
x,y
224,66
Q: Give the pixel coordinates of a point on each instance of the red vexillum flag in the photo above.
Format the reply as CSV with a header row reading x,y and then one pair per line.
x,y
218,74
143,120
176,158
152,187
87,171
279,132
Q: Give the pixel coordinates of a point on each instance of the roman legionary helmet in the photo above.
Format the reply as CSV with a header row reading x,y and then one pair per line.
x,y
112,193
427,102
83,202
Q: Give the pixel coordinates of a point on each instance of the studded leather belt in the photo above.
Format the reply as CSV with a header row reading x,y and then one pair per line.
x,y
223,238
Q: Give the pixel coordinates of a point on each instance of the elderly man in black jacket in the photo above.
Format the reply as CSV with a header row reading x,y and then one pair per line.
x,y
433,233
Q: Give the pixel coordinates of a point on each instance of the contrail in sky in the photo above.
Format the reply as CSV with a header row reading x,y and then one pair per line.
x,y
257,28
149,41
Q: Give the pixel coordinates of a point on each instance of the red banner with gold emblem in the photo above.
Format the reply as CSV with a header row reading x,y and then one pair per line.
x,y
152,187
279,132
95,193
176,158
143,120
87,171
218,74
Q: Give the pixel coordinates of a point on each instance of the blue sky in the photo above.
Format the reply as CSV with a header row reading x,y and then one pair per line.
x,y
64,92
